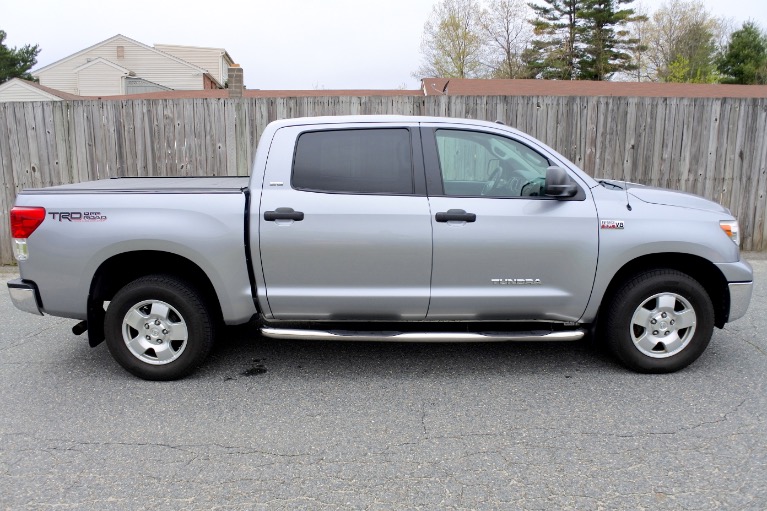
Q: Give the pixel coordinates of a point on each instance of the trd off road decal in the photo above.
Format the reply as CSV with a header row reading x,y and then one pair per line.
x,y
78,216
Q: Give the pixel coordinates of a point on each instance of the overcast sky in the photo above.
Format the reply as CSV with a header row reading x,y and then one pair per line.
x,y
281,44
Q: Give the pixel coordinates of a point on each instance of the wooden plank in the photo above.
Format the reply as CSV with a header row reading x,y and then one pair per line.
x,y
657,142
34,148
230,116
618,143
629,142
219,131
200,137
757,197
169,139
699,130
45,140
150,146
589,160
62,164
158,132
242,138
8,192
737,110
714,174
760,227
22,171
667,143
99,127
675,144
743,139
77,149
686,134
140,154
177,143
706,186
643,135
190,139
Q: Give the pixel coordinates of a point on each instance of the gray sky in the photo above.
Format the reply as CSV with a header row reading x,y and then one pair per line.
x,y
281,44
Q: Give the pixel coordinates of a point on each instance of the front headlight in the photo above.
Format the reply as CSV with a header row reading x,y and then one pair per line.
x,y
731,229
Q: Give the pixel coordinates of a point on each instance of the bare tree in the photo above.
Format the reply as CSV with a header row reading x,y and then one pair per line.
x,y
508,33
453,45
638,28
682,40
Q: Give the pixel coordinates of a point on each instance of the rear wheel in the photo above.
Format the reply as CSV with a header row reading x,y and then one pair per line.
x,y
158,328
660,321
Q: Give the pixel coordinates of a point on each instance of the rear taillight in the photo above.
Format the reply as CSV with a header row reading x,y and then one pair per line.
x,y
24,221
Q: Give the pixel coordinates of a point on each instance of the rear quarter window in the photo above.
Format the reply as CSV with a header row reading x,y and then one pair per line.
x,y
375,161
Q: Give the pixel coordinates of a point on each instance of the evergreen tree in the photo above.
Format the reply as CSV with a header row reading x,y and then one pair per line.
x,y
607,43
554,52
581,39
16,62
745,58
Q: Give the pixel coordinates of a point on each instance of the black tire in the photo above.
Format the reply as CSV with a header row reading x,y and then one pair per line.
x,y
174,330
643,319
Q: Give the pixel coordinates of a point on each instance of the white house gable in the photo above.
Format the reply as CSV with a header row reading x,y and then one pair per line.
x,y
100,78
18,90
215,61
138,59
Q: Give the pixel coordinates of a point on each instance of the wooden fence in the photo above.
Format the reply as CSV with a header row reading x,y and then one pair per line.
x,y
712,147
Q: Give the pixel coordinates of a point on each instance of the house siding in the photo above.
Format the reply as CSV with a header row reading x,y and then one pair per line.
x,y
100,79
18,92
145,63
210,59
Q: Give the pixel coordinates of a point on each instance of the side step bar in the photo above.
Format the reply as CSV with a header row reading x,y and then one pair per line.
x,y
348,335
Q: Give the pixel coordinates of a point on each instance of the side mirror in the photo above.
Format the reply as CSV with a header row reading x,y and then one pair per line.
x,y
558,183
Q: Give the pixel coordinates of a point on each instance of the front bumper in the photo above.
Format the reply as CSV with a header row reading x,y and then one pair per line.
x,y
740,278
24,296
740,297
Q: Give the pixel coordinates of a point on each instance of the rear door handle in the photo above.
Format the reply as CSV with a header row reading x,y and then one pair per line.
x,y
455,215
283,214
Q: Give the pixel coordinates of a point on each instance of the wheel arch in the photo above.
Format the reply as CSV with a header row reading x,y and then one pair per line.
x,y
120,269
700,269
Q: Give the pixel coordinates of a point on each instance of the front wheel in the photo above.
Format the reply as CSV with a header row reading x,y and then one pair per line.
x,y
660,321
158,328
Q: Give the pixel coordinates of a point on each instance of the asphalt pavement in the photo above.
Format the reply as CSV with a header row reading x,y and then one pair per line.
x,y
300,425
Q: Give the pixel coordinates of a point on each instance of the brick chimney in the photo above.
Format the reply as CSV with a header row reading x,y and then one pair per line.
x,y
234,81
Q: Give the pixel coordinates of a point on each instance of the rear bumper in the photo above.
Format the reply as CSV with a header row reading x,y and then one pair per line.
x,y
740,297
25,296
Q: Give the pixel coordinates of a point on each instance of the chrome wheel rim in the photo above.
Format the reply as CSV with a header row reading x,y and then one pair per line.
x,y
663,325
155,332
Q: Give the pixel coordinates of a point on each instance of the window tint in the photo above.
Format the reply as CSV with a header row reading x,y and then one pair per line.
x,y
354,161
475,164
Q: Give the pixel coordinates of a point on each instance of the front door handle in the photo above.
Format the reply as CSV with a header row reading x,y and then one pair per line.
x,y
283,214
455,215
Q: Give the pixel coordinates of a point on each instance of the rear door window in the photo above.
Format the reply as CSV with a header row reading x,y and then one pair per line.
x,y
354,161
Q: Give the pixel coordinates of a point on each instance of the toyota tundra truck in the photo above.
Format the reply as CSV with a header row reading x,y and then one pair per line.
x,y
382,228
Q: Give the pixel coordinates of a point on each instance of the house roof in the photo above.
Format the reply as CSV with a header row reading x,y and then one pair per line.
x,y
118,36
501,87
257,93
102,60
45,92
222,50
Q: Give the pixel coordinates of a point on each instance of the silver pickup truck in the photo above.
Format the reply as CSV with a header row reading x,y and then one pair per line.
x,y
382,228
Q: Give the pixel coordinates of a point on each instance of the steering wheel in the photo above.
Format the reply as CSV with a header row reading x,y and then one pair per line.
x,y
539,181
492,181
